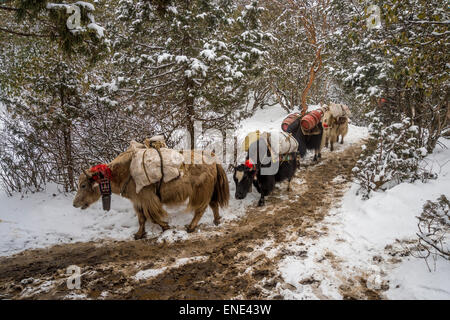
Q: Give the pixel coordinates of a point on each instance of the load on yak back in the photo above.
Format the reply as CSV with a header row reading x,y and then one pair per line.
x,y
335,123
307,130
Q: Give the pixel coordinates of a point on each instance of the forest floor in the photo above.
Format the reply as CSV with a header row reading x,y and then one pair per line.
x,y
238,259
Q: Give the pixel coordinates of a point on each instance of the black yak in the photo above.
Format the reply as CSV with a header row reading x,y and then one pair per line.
x,y
307,142
263,171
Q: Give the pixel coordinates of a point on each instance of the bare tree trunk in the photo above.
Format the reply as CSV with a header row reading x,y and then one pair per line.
x,y
190,111
69,158
315,67
313,33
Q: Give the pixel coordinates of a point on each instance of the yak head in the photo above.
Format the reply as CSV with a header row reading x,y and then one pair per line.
x,y
327,120
88,191
243,178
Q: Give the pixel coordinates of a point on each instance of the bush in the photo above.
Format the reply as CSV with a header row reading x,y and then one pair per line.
x,y
392,155
434,231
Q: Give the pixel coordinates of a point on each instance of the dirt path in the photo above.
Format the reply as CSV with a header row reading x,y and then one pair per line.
x,y
234,260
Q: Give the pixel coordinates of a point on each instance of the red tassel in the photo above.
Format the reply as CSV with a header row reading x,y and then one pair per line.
x,y
103,169
249,164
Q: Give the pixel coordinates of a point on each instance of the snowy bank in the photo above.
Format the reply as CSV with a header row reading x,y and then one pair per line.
x,y
363,238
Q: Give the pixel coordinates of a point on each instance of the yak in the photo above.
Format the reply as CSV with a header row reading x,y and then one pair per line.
x,y
307,142
205,184
250,173
333,128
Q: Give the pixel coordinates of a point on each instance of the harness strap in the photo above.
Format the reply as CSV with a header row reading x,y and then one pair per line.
x,y
290,145
257,154
125,185
269,146
143,165
158,190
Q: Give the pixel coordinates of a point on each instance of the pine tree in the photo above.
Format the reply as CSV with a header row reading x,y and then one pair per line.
x,y
404,61
44,98
71,26
187,61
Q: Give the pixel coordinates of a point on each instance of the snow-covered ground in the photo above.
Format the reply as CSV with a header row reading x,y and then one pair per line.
x,y
358,230
48,218
363,236
43,219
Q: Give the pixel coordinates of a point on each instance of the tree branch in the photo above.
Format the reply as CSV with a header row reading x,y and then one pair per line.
x,y
24,34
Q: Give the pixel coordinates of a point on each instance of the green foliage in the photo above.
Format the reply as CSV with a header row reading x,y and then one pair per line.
x,y
190,62
42,19
392,155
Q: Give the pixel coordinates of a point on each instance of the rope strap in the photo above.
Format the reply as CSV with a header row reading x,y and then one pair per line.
x,y
143,165
158,189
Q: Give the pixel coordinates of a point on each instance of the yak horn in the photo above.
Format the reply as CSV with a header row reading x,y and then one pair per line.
x,y
86,172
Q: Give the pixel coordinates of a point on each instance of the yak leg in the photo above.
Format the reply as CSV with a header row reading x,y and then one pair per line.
x,y
197,216
342,139
155,211
164,225
289,185
317,155
141,217
261,201
215,209
326,142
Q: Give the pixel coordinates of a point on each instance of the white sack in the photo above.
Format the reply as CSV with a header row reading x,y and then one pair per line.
x,y
339,110
280,142
172,161
286,143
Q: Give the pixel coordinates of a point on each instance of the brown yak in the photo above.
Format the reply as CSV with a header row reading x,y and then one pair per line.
x,y
204,184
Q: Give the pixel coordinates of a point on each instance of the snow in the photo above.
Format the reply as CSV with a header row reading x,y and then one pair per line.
x,y
41,220
414,281
362,230
373,91
357,230
98,29
44,219
181,59
151,273
208,54
164,56
172,9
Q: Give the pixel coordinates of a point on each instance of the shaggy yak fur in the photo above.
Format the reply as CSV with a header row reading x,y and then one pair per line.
x,y
204,184
244,176
334,128
307,142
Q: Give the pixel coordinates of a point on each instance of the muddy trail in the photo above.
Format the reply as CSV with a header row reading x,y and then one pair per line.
x,y
236,260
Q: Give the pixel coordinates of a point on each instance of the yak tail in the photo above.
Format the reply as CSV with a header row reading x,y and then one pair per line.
x,y
221,193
